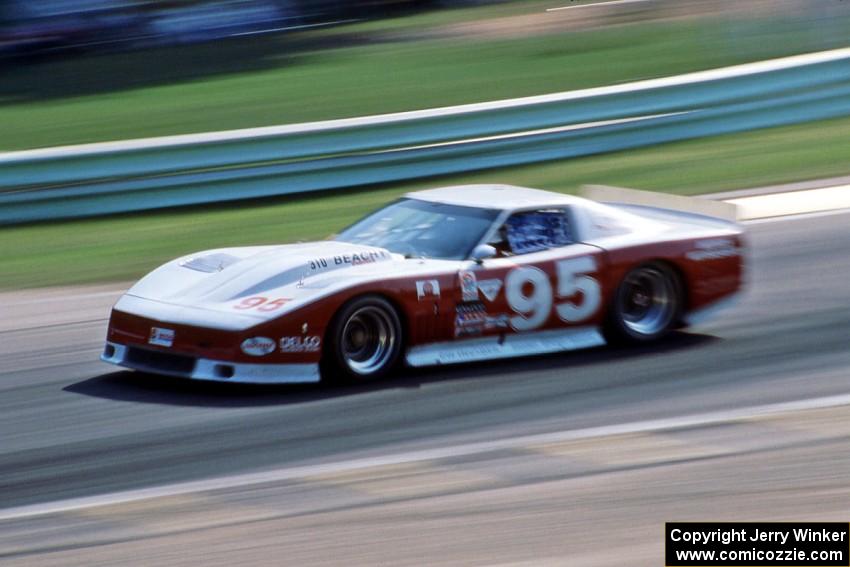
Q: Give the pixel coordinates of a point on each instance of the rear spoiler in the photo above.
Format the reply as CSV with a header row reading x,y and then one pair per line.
x,y
693,205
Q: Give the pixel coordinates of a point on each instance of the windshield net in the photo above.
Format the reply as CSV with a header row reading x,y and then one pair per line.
x,y
538,230
420,229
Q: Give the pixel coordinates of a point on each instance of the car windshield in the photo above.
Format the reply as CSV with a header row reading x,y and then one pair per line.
x,y
421,229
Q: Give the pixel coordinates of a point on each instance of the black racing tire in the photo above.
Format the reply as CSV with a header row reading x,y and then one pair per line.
x,y
646,306
364,341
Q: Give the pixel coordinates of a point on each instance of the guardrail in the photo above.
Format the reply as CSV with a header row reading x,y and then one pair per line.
x,y
115,177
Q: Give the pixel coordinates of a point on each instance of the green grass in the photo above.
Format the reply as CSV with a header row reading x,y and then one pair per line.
x,y
287,79
125,247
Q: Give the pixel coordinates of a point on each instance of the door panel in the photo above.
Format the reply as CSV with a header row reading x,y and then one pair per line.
x,y
551,289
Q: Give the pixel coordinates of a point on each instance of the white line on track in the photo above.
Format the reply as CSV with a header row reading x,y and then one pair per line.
x,y
613,2
294,473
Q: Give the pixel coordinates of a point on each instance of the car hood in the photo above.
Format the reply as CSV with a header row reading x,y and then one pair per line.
x,y
201,287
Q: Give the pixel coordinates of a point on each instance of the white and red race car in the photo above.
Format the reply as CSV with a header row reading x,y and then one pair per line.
x,y
441,276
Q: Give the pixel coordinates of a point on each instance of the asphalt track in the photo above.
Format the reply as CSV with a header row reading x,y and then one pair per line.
x,y
71,427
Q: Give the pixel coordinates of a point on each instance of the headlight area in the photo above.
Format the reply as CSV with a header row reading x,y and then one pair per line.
x,y
185,351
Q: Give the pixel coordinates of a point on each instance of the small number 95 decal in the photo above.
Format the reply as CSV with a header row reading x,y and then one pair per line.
x,y
261,303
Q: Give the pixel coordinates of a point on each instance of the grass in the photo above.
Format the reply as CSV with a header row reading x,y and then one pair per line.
x,y
125,247
290,78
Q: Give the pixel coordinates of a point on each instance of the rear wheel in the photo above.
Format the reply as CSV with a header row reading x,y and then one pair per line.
x,y
646,306
364,340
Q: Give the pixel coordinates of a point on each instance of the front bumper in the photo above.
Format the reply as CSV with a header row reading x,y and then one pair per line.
x,y
185,366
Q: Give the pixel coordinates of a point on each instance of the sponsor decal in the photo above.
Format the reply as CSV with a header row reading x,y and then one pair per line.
x,y
258,346
262,303
468,286
470,319
161,337
713,249
502,321
355,259
490,288
471,353
300,344
427,288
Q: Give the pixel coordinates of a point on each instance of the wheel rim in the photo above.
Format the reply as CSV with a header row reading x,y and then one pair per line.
x,y
368,340
648,301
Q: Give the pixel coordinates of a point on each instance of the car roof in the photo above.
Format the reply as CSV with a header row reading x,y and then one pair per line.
x,y
504,197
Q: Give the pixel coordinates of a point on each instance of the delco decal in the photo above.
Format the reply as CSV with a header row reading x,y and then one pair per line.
x,y
354,259
427,289
161,337
713,249
468,286
258,346
300,344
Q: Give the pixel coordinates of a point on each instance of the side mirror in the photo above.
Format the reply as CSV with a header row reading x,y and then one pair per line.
x,y
482,252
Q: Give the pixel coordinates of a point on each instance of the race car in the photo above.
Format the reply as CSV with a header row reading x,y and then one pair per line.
x,y
440,276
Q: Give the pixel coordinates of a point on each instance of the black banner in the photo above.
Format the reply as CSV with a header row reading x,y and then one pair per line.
x,y
757,544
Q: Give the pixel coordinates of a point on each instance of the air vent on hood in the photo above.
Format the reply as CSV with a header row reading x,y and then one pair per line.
x,y
211,263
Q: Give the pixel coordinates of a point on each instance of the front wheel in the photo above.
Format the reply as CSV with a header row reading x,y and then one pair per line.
x,y
364,340
646,305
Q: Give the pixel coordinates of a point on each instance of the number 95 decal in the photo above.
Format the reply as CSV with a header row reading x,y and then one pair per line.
x,y
534,307
261,303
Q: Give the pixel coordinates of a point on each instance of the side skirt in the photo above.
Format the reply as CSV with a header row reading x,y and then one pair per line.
x,y
488,348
